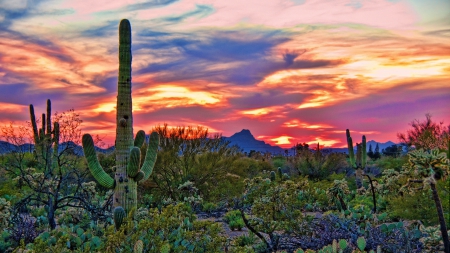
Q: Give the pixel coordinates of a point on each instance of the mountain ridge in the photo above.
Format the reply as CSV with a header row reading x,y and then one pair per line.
x,y
243,139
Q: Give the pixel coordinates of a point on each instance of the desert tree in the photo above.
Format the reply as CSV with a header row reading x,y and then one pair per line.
x,y
423,170
190,154
53,174
426,134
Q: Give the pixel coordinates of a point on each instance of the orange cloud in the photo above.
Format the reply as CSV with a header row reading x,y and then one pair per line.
x,y
323,142
298,124
282,140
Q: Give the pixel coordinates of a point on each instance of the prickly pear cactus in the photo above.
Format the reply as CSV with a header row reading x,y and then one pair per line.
x,y
128,156
361,242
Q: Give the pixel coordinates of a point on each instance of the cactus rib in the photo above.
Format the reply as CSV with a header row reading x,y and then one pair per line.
x,y
94,165
150,157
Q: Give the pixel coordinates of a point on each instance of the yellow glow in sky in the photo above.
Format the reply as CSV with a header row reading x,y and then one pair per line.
x,y
105,107
7,107
297,123
282,140
192,97
321,142
256,112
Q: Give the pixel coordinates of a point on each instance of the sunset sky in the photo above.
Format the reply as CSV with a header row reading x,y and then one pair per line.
x,y
288,70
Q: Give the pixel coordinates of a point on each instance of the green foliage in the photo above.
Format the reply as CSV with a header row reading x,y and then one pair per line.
x,y
393,151
191,154
69,239
338,192
318,165
279,161
390,162
419,206
234,220
209,207
173,226
275,207
5,241
245,240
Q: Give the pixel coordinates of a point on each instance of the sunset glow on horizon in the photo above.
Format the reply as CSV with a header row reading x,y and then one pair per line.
x,y
290,71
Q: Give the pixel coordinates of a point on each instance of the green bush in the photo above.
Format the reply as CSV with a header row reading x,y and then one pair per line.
x,y
234,220
209,207
389,162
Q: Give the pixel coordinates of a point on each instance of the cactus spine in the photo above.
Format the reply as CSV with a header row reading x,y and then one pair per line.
x,y
45,138
128,155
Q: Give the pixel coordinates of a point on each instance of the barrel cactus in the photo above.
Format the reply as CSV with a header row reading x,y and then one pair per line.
x,y
128,169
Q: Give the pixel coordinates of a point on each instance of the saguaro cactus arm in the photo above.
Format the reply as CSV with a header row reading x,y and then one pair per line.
x,y
134,162
351,153
94,166
364,151
139,139
150,157
34,125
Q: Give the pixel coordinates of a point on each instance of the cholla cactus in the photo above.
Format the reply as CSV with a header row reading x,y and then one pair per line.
x,y
424,164
4,211
128,154
426,167
337,193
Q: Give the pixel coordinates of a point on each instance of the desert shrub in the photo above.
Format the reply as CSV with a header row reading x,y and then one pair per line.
x,y
234,220
24,228
419,206
209,207
275,208
314,196
246,240
279,161
319,164
389,162
5,241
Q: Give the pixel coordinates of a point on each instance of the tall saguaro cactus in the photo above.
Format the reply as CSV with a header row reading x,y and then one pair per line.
x,y
45,137
360,162
128,156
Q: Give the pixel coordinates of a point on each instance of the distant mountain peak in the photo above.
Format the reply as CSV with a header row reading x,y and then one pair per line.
x,y
247,142
244,132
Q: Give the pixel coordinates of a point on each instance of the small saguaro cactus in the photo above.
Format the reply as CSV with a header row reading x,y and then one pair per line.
x,y
272,176
45,137
361,155
128,154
